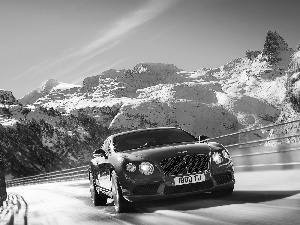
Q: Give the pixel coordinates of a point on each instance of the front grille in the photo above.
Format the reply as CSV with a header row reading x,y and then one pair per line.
x,y
185,164
222,178
188,187
147,189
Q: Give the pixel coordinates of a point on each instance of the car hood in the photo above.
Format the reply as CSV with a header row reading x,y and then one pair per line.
x,y
158,153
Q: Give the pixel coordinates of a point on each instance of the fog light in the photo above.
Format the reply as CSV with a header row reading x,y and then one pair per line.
x,y
130,167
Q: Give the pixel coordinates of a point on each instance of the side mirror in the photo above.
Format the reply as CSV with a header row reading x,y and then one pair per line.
x,y
99,153
203,138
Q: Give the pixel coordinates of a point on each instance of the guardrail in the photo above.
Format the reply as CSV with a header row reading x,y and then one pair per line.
x,y
276,157
254,129
76,173
250,156
244,157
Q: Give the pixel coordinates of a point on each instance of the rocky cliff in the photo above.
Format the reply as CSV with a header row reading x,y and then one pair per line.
x,y
291,105
7,98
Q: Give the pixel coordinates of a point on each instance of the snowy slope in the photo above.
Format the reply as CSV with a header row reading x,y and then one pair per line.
x,y
42,91
246,92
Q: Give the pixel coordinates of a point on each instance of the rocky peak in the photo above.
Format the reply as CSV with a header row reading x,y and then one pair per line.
x,y
45,89
274,42
6,97
273,46
48,85
154,68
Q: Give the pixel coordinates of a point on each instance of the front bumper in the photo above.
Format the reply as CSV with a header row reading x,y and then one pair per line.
x,y
138,190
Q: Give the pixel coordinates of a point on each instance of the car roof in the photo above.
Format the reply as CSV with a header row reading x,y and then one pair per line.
x,y
142,130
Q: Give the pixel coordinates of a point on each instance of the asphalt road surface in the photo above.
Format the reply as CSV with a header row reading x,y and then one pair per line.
x,y
271,197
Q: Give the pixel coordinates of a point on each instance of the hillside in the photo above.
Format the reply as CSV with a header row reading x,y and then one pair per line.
x,y
291,105
72,120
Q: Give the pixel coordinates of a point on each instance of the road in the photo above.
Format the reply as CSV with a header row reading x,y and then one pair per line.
x,y
266,197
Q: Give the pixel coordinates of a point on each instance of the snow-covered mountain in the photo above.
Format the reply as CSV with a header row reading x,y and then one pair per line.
x,y
252,91
246,92
44,90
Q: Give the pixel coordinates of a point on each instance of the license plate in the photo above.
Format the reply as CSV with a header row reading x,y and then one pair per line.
x,y
193,178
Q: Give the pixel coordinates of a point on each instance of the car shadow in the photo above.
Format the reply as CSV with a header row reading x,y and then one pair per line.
x,y
198,201
206,200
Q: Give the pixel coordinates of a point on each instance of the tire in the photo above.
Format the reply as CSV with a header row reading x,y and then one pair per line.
x,y
97,198
121,204
224,192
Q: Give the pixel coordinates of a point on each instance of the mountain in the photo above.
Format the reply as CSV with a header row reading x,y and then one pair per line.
x,y
274,47
291,105
68,121
44,90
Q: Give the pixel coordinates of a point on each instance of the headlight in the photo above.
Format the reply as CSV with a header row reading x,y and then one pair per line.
x,y
221,156
130,167
217,158
146,168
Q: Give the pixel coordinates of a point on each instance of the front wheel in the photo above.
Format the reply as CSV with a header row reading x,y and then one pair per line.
x,y
97,198
121,204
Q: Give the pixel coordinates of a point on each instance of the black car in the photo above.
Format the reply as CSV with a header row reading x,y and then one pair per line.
x,y
157,163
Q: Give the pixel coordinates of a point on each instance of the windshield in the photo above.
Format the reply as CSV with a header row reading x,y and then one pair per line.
x,y
149,138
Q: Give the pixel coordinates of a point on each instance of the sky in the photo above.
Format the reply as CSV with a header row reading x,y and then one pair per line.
x,y
69,40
